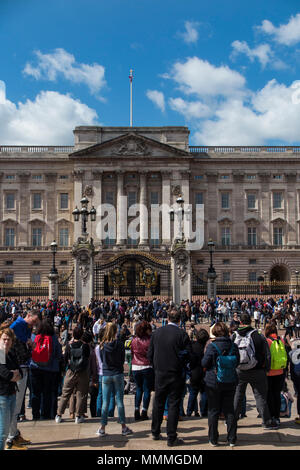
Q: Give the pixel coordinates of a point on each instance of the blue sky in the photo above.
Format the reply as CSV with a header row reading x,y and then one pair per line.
x,y
229,70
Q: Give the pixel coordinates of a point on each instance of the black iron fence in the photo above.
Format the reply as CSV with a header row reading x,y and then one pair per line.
x,y
249,288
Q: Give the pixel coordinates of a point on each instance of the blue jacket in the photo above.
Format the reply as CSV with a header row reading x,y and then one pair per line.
x,y
21,329
56,356
210,358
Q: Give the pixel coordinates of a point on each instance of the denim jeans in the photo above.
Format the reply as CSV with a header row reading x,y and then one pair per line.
x,y
7,408
13,430
111,407
144,381
108,383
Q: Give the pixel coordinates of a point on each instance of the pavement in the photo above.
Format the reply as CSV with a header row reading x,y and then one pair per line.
x,y
48,435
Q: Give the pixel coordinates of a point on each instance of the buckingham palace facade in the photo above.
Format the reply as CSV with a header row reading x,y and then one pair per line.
x,y
251,198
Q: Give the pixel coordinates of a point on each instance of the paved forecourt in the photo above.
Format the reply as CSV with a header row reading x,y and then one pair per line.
x,y
47,435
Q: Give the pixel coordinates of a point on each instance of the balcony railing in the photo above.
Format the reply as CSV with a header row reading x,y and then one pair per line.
x,y
243,149
36,149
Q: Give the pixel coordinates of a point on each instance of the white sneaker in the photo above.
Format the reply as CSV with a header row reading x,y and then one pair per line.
x,y
79,419
101,432
58,419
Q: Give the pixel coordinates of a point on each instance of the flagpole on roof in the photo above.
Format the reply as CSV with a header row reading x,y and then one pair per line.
x,y
131,78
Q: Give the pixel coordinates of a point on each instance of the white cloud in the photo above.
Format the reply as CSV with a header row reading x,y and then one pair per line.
x,y
197,76
263,53
190,35
60,62
47,120
272,113
190,109
158,98
287,34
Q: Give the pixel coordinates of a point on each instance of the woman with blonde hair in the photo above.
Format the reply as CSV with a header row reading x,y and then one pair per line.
x,y
112,354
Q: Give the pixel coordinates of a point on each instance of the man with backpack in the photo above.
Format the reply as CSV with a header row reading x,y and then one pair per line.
x,y
220,361
255,362
77,376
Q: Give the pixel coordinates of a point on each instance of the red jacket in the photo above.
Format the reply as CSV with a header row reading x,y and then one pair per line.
x,y
139,349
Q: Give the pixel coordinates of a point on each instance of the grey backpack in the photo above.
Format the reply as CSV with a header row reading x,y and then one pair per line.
x,y
246,350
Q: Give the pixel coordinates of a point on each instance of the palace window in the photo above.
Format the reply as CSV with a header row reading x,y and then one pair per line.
x,y
37,236
154,197
252,239
64,201
277,236
109,197
199,198
252,276
251,201
131,198
10,201
36,278
9,236
226,276
9,278
64,237
36,201
277,200
225,200
225,236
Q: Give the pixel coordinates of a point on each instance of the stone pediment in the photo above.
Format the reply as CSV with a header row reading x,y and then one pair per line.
x,y
130,145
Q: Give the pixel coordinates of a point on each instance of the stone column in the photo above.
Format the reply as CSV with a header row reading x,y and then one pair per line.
x,y
51,201
53,286
290,213
121,210
78,177
84,252
181,273
166,206
213,204
24,210
97,201
143,210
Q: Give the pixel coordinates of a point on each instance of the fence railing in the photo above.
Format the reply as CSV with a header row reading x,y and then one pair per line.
x,y
36,149
249,288
244,149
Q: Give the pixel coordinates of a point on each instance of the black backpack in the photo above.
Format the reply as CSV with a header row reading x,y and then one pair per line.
x,y
78,361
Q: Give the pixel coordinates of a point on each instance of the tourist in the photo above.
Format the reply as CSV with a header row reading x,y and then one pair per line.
x,y
141,369
112,353
294,356
77,377
220,390
167,347
196,381
22,347
10,374
276,374
44,370
255,362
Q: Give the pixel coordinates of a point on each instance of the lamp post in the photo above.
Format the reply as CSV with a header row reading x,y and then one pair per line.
x,y
53,275
84,213
297,276
211,273
265,276
53,248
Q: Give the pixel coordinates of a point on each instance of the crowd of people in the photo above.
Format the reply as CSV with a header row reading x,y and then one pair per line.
x,y
69,356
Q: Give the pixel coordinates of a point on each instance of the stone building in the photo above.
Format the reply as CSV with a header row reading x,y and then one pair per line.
x,y
251,198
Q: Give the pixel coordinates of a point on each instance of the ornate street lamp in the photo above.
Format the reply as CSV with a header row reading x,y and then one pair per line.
x,y
211,273
84,213
211,249
53,248
297,276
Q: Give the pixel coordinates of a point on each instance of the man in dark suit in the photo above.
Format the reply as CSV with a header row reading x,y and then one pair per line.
x,y
169,350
